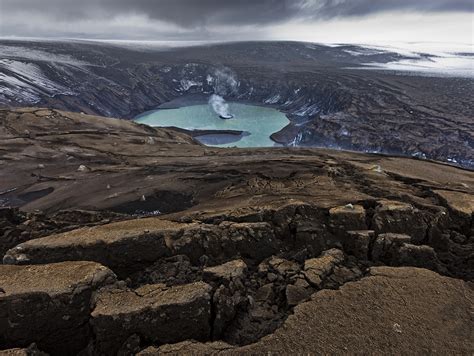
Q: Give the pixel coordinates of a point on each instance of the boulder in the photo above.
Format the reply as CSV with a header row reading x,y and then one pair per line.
x,y
357,243
225,272
461,206
265,293
386,247
49,304
295,294
401,218
283,267
225,303
153,312
32,350
317,269
312,234
347,218
418,256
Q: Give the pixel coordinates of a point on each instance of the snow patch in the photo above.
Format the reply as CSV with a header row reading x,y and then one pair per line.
x,y
15,52
273,100
26,82
307,110
186,84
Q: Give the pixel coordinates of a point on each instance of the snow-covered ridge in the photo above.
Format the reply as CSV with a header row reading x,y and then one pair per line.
x,y
19,52
435,59
25,82
26,74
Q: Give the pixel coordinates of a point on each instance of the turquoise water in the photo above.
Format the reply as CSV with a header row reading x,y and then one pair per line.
x,y
259,121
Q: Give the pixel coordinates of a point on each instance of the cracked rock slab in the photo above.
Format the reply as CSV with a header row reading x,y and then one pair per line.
x,y
461,203
317,269
225,241
283,267
401,218
153,312
122,246
32,350
385,245
462,206
128,246
225,272
418,256
396,250
357,243
348,217
396,311
49,304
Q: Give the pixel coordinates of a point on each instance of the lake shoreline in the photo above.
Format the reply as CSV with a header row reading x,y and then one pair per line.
x,y
253,125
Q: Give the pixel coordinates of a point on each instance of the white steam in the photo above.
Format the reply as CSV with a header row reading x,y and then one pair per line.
x,y
220,106
224,83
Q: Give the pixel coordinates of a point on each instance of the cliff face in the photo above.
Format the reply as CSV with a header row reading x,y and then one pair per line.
x,y
117,237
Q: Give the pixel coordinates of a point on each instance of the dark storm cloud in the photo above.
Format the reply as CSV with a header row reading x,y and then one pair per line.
x,y
335,8
195,13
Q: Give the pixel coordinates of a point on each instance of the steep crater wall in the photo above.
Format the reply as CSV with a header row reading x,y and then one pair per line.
x,y
328,106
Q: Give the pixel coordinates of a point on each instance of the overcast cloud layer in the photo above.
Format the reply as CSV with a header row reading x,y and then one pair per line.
x,y
214,19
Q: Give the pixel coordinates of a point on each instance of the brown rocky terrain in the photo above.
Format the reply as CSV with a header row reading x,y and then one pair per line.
x,y
118,238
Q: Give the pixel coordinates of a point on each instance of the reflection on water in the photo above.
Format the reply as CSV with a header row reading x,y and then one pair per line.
x,y
260,122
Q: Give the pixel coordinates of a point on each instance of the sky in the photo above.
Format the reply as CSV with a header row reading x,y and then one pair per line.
x,y
330,21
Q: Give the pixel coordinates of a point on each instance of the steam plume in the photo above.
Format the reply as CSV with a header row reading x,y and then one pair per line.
x,y
220,106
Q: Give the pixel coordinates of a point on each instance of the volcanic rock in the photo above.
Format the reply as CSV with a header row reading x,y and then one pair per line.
x,y
225,304
32,350
317,269
417,256
462,207
459,202
126,246
265,293
387,245
366,317
283,267
172,270
153,312
49,304
398,217
295,295
224,241
225,272
277,209
348,217
122,246
357,243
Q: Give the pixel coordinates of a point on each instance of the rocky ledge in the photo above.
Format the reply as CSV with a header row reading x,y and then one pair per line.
x,y
120,239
